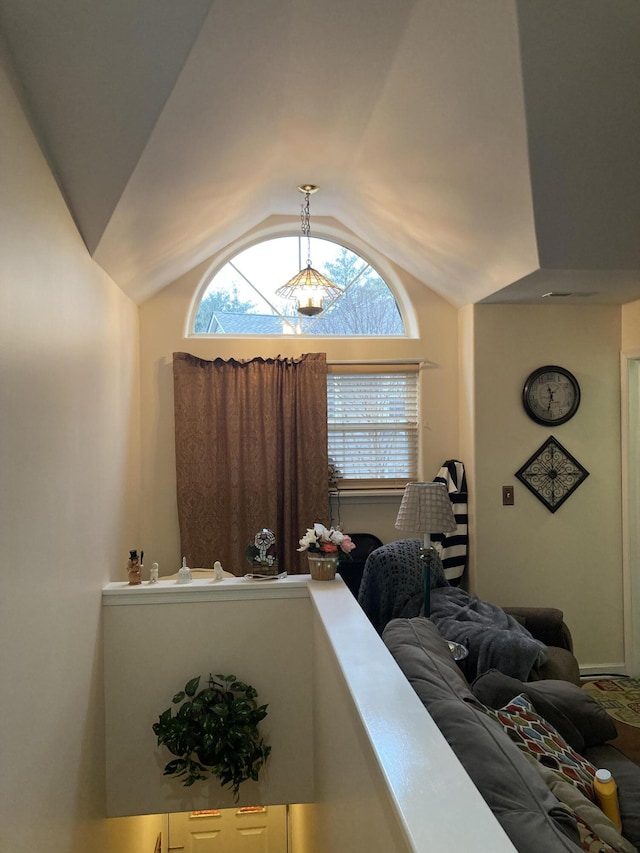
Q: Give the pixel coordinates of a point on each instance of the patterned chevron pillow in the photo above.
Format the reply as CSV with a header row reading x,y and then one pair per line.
x,y
533,735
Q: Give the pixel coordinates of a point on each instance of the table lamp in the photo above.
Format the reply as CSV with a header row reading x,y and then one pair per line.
x,y
426,508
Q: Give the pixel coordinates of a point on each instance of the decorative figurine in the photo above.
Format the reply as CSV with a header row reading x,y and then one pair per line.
x,y
262,554
218,574
134,567
153,574
184,573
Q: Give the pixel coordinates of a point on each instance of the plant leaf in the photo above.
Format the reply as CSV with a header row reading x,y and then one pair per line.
x,y
226,677
175,766
178,697
192,686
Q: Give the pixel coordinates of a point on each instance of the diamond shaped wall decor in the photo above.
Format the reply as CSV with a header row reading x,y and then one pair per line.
x,y
552,474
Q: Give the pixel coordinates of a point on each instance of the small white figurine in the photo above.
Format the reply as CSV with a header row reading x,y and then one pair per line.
x,y
184,572
218,574
153,573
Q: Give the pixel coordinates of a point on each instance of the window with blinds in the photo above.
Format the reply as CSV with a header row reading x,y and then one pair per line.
x,y
373,427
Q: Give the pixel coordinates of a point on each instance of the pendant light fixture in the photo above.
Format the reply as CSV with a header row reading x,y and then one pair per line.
x,y
309,287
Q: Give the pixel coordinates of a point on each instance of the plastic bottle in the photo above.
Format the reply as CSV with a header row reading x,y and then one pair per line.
x,y
607,796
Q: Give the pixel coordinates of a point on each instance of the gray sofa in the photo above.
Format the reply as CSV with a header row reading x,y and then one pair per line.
x,y
538,808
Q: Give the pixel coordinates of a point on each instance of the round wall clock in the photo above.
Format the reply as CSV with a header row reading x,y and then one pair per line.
x,y
551,395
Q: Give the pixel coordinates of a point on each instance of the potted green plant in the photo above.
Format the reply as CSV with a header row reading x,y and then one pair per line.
x,y
214,731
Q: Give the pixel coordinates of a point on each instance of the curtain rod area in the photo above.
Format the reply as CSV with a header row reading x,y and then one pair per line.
x,y
421,362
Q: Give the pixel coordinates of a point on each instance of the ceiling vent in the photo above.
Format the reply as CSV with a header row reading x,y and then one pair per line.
x,y
559,294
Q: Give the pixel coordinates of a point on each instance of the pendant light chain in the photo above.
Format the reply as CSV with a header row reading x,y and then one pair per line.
x,y
309,287
305,218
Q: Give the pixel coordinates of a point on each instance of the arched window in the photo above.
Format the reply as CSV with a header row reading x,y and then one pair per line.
x,y
241,297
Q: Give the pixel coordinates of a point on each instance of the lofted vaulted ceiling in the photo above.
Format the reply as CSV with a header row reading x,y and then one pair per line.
x,y
489,147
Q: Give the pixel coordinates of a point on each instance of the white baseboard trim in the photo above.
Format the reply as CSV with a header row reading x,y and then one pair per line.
x,y
602,670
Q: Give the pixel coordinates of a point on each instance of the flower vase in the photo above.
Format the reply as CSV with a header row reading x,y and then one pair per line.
x,y
323,566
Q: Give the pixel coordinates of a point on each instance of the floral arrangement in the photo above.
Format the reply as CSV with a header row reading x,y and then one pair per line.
x,y
326,540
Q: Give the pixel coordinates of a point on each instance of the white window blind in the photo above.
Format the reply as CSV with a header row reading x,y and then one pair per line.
x,y
373,427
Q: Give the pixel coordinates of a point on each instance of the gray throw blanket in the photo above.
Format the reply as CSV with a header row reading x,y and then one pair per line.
x,y
393,581
393,587
495,640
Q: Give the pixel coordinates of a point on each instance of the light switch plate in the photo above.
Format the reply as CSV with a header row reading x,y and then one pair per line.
x,y
507,496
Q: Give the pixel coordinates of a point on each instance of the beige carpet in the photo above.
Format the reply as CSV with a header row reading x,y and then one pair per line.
x,y
620,697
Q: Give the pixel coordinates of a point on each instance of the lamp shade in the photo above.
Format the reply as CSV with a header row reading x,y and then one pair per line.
x,y
426,508
309,287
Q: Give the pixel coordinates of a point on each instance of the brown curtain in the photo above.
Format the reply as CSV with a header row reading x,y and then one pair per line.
x,y
251,452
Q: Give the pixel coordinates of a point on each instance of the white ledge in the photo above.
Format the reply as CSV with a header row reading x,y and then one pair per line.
x,y
425,781
205,589
422,782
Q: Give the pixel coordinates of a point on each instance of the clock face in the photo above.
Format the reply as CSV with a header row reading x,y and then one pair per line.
x,y
551,395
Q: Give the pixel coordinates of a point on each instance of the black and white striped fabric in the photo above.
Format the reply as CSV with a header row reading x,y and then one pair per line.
x,y
454,547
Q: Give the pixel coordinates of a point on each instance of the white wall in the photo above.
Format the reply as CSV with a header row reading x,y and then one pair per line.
x,y
350,736
68,463
631,478
471,410
631,326
162,325
524,554
153,649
